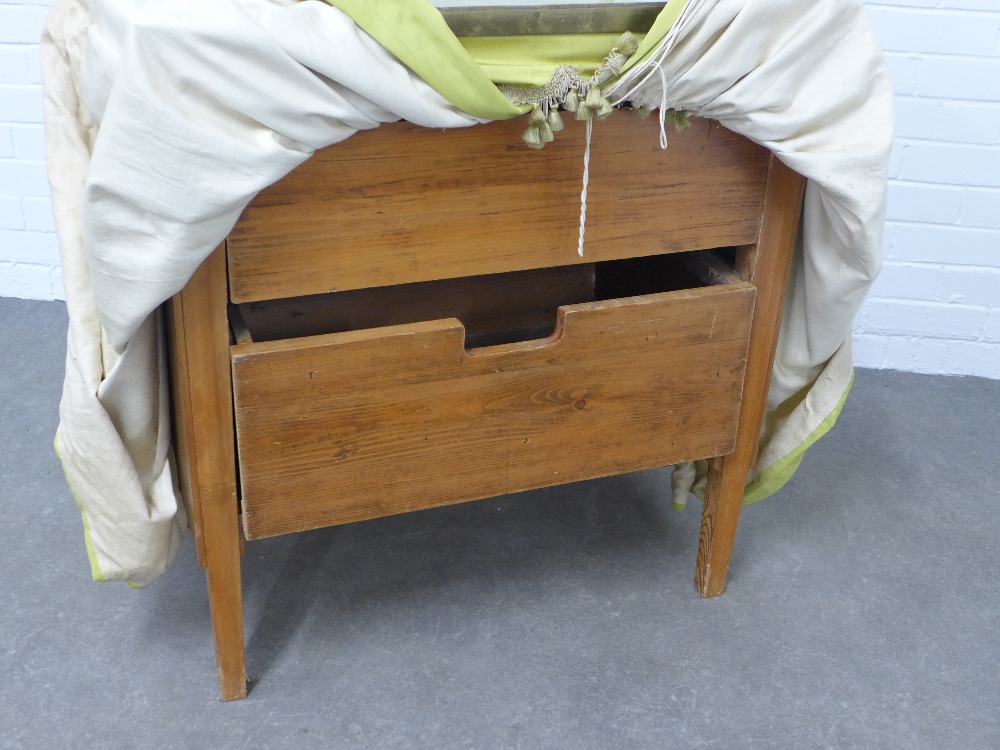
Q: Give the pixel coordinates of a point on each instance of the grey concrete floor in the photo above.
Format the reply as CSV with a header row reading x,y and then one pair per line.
x,y
862,608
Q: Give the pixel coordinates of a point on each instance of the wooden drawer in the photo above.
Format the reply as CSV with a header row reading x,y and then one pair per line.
x,y
404,204
355,424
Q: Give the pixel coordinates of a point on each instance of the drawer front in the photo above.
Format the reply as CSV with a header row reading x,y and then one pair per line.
x,y
404,204
347,426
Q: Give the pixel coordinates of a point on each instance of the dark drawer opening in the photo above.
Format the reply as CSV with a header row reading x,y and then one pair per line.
x,y
495,308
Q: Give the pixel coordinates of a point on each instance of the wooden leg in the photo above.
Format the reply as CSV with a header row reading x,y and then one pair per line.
x,y
767,265
225,596
204,383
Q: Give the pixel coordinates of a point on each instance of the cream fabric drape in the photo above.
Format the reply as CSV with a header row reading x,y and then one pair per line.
x,y
806,80
164,119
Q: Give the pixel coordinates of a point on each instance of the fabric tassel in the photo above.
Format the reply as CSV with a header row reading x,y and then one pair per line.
x,y
595,105
537,119
572,102
604,109
679,119
643,111
628,44
532,138
539,132
590,105
555,121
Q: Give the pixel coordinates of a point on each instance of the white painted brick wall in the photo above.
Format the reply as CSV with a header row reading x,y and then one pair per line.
x,y
936,306
29,253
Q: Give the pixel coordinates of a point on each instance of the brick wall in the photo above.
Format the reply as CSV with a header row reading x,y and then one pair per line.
x,y
936,306
29,253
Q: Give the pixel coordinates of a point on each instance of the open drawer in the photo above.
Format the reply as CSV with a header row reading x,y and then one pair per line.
x,y
491,385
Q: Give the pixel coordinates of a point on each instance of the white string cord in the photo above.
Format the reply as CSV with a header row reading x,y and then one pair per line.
x,y
653,66
659,55
663,108
586,180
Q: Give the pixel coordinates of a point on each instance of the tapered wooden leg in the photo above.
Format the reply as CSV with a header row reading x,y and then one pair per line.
x,y
225,594
723,500
203,402
767,265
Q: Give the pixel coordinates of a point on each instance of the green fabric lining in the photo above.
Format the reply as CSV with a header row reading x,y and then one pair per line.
x,y
774,477
415,32
530,60
95,569
464,71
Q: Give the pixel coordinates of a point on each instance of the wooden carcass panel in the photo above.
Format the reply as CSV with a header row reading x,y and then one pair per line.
x,y
403,204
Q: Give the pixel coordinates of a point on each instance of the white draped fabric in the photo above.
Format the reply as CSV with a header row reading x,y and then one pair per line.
x,y
164,119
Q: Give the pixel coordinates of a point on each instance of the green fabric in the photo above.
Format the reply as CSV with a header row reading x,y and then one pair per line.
x,y
530,60
774,477
415,32
95,569
463,71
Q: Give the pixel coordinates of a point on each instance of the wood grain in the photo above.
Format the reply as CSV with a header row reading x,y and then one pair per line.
x,y
182,428
361,424
767,263
404,204
212,454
